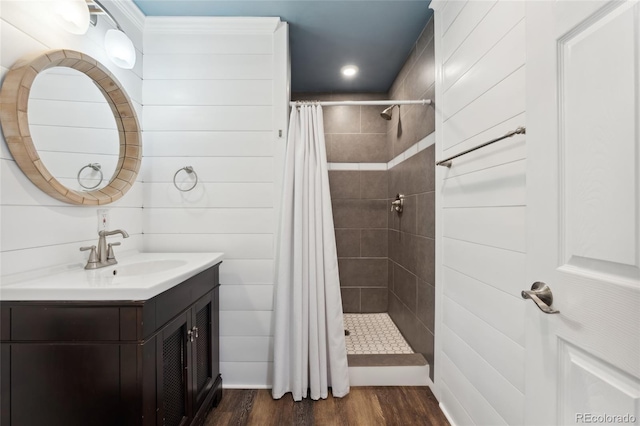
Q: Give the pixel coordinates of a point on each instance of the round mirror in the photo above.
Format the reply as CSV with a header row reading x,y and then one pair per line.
x,y
71,127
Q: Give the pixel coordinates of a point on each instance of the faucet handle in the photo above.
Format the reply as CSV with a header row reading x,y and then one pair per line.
x,y
110,255
93,257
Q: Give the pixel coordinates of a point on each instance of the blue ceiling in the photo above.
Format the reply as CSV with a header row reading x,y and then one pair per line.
x,y
375,35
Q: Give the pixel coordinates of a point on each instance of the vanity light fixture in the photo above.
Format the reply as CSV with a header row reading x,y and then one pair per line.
x,y
120,49
72,15
349,70
118,45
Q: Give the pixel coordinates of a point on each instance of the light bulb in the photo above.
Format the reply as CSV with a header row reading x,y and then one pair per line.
x,y
72,15
349,70
120,49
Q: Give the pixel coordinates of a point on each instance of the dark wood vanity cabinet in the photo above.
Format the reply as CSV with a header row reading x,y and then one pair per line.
x,y
187,355
153,362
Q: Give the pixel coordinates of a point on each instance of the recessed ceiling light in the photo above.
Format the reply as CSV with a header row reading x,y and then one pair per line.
x,y
349,70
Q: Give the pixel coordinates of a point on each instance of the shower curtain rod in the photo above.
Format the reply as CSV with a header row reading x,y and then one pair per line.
x,y
385,102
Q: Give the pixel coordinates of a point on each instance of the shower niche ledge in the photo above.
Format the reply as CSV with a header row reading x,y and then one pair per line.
x,y
121,360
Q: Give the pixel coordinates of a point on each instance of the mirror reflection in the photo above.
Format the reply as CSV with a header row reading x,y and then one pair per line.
x,y
73,129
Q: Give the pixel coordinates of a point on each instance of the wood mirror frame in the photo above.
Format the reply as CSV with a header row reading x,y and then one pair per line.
x,y
14,100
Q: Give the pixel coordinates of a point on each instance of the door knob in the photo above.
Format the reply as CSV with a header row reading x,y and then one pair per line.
x,y
541,294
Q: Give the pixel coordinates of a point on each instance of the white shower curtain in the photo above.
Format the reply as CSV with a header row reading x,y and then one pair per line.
x,y
309,347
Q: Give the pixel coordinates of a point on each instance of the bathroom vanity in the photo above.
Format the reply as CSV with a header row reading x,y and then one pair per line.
x,y
133,344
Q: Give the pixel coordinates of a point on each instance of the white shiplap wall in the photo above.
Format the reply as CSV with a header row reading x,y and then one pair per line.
x,y
38,231
215,95
480,58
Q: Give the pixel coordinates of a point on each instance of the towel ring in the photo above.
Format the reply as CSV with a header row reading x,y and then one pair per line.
x,y
98,168
189,170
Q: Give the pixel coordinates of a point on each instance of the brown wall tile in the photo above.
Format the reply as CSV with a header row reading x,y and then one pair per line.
x,y
341,119
425,38
363,272
372,122
403,318
393,217
374,299
359,213
426,214
423,342
397,91
424,116
390,141
410,252
396,246
407,219
395,181
350,300
373,184
399,312
373,243
348,242
344,184
373,214
398,88
430,164
425,259
426,304
422,74
358,148
346,213
405,130
405,286
414,175
393,130
327,144
417,173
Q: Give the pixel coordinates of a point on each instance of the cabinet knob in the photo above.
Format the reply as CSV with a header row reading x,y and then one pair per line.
x,y
195,331
190,335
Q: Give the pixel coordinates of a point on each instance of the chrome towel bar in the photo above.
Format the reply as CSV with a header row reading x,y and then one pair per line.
x,y
447,161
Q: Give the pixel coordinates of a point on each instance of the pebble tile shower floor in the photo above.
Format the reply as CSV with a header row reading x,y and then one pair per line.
x,y
374,334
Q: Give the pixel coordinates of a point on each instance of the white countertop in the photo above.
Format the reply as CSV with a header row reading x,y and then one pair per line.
x,y
137,276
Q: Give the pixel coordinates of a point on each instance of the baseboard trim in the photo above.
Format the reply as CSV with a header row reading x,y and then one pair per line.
x,y
446,414
245,386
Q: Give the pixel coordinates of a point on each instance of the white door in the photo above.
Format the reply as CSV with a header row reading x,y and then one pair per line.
x,y
583,195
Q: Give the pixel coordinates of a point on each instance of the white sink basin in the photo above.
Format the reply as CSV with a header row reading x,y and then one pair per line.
x,y
137,276
141,268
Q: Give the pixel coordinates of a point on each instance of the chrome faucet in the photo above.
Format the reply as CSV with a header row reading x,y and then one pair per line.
x,y
104,256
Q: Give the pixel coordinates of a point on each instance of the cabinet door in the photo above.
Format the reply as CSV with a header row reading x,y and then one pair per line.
x,y
203,350
173,385
63,384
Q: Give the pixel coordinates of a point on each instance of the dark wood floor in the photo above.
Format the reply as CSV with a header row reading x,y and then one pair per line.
x,y
364,406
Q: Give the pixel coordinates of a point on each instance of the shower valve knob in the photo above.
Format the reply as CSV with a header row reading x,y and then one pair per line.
x,y
398,203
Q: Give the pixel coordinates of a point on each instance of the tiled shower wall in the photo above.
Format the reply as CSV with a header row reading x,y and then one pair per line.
x,y
412,252
412,234
386,260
